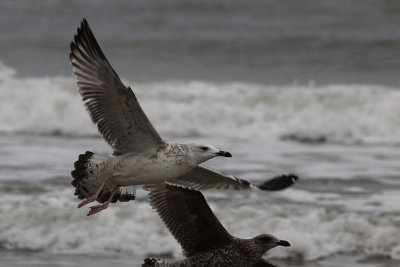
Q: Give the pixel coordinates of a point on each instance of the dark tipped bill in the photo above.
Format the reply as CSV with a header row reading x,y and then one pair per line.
x,y
279,183
283,243
224,154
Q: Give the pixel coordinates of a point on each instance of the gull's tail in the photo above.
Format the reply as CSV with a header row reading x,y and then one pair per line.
x,y
88,176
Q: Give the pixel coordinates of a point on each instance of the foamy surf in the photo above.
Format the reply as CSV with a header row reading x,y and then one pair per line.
x,y
50,222
339,113
345,204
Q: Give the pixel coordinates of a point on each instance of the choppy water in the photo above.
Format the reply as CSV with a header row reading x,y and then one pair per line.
x,y
341,139
310,88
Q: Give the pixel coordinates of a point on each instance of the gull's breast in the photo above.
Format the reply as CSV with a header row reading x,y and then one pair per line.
x,y
151,168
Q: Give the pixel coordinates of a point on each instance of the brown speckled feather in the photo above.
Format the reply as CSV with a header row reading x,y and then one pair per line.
x,y
188,217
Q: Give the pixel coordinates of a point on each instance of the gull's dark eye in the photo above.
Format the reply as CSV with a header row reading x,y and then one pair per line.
x,y
204,148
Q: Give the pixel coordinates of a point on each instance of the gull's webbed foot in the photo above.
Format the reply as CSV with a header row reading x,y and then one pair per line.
x,y
87,201
98,208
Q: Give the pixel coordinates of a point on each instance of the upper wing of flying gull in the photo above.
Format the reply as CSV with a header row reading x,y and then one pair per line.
x,y
188,217
201,178
112,106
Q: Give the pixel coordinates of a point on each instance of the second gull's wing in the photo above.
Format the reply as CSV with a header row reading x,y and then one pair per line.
x,y
188,217
112,106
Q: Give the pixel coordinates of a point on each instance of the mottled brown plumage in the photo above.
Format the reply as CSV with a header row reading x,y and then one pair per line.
x,y
204,241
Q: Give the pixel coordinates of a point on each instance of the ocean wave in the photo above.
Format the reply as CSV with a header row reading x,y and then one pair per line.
x,y
343,113
51,222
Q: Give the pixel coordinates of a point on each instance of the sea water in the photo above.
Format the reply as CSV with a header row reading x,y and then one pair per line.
x,y
310,88
342,140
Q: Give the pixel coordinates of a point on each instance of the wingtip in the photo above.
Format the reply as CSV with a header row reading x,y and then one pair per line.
x,y
292,176
72,46
279,182
84,22
84,27
80,35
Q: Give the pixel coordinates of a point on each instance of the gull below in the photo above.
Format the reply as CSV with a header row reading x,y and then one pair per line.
x,y
204,241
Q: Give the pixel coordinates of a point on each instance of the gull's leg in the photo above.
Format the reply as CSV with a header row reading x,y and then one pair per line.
x,y
98,208
94,197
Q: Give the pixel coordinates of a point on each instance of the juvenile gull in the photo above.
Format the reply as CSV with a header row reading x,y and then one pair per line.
x,y
140,156
204,241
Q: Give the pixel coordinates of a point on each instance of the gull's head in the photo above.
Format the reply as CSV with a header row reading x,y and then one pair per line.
x,y
201,152
265,242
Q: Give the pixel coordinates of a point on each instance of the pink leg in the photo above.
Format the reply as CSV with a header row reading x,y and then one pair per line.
x,y
98,208
94,197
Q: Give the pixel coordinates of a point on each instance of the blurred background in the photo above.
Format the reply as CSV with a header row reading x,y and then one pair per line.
x,y
308,87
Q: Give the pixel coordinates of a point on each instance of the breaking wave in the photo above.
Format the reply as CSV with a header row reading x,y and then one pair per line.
x,y
342,113
51,222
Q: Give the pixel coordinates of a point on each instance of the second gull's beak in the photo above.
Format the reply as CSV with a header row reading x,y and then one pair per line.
x,y
283,243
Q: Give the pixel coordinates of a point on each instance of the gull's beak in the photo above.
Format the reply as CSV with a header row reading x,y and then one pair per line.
x,y
224,153
283,243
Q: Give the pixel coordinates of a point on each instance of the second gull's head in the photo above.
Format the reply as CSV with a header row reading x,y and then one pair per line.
x,y
265,242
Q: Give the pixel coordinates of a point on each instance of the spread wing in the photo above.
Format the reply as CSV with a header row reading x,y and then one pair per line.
x,y
188,217
112,106
202,178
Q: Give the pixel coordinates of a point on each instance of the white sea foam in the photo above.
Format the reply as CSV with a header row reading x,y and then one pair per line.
x,y
340,113
51,222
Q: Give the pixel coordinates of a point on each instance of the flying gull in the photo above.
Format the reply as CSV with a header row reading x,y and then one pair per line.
x,y
140,156
204,241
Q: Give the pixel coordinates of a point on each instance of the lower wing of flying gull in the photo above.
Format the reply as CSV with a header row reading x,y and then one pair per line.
x,y
202,178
